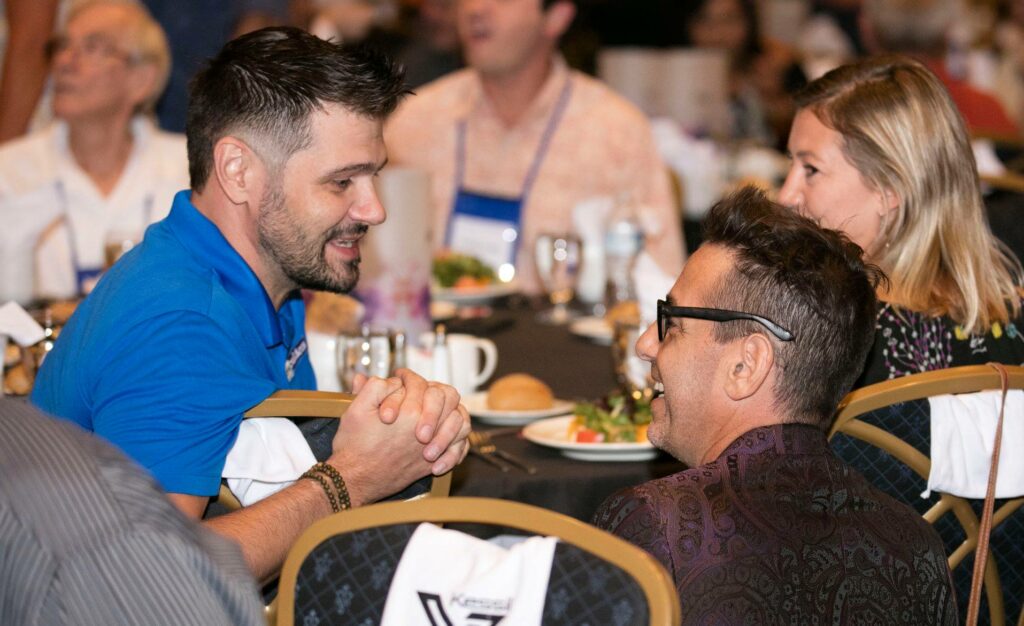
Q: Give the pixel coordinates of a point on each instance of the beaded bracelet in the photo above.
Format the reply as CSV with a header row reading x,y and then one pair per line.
x,y
315,475
339,482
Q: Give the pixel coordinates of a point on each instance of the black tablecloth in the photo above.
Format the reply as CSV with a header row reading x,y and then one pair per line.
x,y
575,369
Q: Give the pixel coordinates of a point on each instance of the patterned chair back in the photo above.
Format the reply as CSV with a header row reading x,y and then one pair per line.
x,y
340,570
883,431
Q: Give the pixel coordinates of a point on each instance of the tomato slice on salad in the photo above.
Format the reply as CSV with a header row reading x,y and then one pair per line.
x,y
585,435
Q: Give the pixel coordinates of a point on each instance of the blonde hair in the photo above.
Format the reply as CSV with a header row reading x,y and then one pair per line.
x,y
905,136
146,40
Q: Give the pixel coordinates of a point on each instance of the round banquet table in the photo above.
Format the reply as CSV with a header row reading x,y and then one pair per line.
x,y
575,369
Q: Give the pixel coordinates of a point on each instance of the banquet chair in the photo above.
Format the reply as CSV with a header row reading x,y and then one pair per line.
x,y
854,419
300,403
341,568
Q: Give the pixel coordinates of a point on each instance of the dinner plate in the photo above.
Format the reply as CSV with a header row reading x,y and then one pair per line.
x,y
474,295
554,433
596,329
476,404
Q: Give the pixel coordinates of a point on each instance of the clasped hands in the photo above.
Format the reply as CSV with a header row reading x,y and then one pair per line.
x,y
396,431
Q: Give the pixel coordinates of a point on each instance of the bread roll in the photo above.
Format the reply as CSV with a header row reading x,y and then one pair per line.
x,y
519,392
333,314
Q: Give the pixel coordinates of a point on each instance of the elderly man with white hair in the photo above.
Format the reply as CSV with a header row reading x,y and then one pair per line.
x,y
103,170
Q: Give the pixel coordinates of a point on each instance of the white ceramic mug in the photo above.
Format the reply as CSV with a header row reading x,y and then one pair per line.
x,y
468,371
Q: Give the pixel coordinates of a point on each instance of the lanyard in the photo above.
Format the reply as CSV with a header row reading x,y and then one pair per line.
x,y
538,157
83,274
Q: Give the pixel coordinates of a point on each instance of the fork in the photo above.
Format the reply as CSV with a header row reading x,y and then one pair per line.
x,y
481,442
486,453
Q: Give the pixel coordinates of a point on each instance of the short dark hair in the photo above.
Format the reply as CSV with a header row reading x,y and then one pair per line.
x,y
264,86
810,280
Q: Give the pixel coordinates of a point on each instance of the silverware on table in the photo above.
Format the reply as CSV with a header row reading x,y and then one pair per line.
x,y
481,443
489,457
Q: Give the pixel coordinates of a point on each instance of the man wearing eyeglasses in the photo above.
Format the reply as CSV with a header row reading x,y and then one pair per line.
x,y
103,170
762,335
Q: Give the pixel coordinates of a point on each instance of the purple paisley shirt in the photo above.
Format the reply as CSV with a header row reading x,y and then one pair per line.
x,y
779,530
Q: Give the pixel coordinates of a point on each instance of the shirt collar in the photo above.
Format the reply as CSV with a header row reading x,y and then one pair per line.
x,y
540,108
201,237
780,438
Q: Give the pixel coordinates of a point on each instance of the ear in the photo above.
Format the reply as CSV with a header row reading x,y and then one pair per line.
x,y
558,17
237,168
749,366
890,201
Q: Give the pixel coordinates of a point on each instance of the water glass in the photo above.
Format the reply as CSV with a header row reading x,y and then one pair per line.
x,y
369,353
558,265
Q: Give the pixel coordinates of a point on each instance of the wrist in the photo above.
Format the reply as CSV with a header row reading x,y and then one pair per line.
x,y
353,482
322,484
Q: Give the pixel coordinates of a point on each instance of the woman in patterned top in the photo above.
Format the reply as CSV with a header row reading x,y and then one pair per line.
x,y
880,152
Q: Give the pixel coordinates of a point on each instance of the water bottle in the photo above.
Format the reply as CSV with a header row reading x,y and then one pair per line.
x,y
623,241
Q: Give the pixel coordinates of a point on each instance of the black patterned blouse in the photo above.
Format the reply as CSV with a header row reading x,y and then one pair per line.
x,y
777,530
907,343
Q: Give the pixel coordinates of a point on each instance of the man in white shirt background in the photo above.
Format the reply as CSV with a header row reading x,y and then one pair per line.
x,y
517,139
103,170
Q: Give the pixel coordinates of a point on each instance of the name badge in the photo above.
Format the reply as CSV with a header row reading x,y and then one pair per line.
x,y
492,241
293,359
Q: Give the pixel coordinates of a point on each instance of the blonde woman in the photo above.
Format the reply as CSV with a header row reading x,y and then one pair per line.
x,y
880,152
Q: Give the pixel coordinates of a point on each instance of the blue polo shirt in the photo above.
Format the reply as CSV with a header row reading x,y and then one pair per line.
x,y
176,342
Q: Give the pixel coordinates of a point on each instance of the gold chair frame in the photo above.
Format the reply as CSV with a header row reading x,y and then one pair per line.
x,y
657,585
966,379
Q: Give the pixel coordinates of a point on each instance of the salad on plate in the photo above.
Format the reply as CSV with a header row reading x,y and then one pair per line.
x,y
616,418
452,270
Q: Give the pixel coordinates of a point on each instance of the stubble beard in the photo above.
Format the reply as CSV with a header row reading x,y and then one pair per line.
x,y
301,256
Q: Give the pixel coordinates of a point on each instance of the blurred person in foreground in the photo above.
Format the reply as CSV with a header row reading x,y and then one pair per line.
x,y
880,152
204,319
102,169
23,74
88,538
755,344
517,139
921,29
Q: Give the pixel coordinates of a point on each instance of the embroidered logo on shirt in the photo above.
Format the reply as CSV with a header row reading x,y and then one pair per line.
x,y
293,358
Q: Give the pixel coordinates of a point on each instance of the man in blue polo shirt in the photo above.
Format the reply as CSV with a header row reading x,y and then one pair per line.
x,y
204,319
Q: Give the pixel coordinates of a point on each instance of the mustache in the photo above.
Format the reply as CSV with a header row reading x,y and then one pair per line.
x,y
354,230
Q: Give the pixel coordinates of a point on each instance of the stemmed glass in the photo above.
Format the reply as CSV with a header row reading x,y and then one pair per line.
x,y
558,265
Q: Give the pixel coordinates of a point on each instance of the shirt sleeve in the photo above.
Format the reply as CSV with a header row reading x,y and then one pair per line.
x,y
171,394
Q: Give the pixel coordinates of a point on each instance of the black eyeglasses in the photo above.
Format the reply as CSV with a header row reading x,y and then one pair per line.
x,y
666,311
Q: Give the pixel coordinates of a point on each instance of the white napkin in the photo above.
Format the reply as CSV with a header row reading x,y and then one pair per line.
x,y
698,162
986,158
468,576
19,325
652,284
269,455
963,433
589,218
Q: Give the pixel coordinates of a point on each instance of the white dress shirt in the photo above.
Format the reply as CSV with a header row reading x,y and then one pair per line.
x,y
47,202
